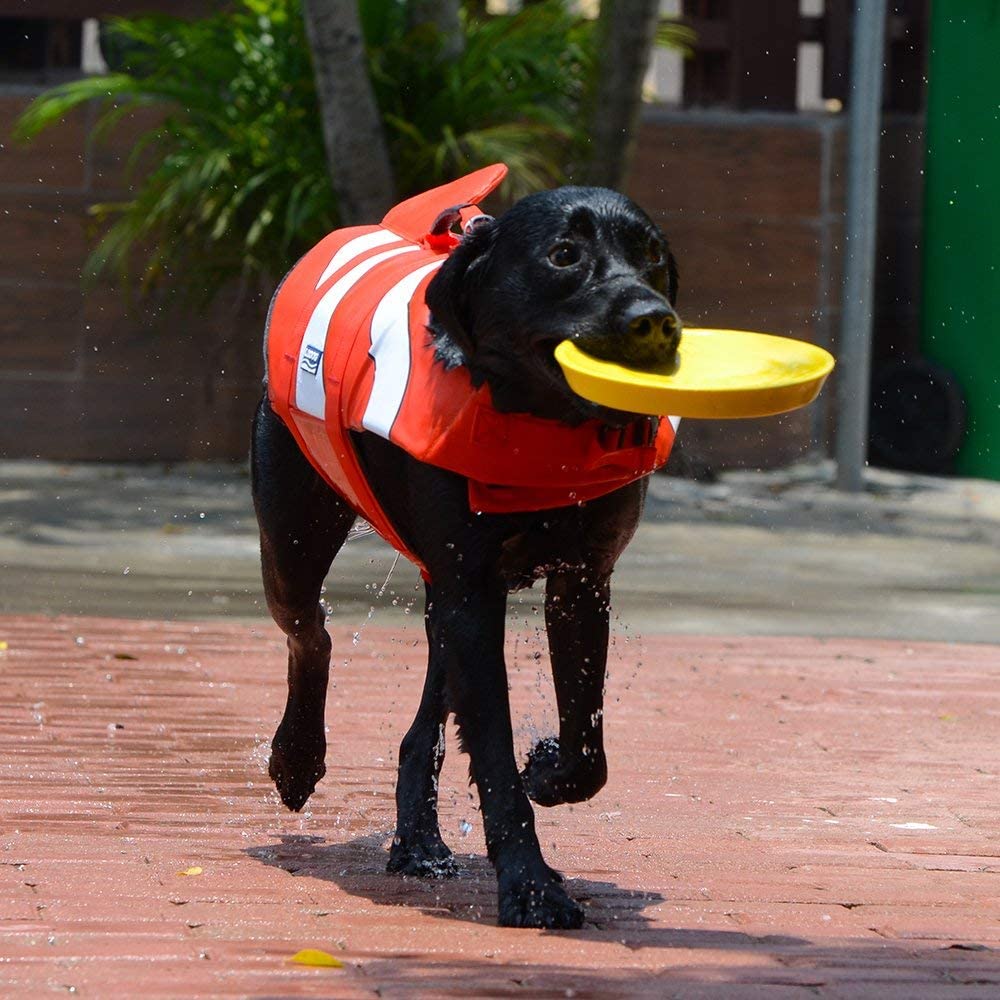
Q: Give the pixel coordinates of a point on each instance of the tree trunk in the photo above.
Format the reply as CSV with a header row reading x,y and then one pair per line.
x,y
626,30
356,151
444,15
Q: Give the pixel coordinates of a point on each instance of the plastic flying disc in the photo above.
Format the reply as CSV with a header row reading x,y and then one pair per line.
x,y
719,374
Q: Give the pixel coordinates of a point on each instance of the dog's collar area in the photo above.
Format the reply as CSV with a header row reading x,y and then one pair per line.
x,y
477,222
442,238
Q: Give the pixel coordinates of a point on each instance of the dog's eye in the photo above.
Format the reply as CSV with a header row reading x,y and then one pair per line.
x,y
564,254
654,251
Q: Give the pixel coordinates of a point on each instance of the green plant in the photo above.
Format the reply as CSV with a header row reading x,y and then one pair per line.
x,y
673,35
230,179
514,94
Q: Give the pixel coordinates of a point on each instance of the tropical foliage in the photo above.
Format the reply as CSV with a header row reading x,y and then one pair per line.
x,y
514,94
230,178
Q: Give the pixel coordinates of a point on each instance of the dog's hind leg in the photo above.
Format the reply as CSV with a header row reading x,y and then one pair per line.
x,y
417,848
574,767
303,524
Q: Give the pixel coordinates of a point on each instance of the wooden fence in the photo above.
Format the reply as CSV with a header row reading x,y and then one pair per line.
x,y
745,54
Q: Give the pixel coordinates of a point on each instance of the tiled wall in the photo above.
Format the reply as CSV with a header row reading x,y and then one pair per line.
x,y
751,204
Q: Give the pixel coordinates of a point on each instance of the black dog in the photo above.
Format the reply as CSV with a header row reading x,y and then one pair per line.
x,y
584,263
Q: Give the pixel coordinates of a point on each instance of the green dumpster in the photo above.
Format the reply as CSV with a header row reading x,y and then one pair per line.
x,y
961,307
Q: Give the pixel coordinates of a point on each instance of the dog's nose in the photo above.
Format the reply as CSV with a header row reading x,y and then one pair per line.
x,y
653,324
642,320
644,335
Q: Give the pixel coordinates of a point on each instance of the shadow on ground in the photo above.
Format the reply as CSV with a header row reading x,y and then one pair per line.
x,y
613,913
701,964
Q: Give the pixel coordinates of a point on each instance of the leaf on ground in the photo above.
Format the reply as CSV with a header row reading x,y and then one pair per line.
x,y
195,870
313,956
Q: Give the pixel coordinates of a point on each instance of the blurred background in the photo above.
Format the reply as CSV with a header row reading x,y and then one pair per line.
x,y
159,173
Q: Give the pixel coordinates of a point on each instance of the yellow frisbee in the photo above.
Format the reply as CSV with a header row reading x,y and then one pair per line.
x,y
719,374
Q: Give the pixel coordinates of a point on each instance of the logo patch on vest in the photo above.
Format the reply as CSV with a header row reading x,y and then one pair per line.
x,y
311,358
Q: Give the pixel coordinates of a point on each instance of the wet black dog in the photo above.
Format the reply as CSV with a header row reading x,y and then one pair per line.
x,y
584,263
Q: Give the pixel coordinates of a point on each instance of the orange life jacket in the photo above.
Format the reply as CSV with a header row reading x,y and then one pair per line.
x,y
348,349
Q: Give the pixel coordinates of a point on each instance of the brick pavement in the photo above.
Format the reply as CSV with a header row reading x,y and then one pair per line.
x,y
784,818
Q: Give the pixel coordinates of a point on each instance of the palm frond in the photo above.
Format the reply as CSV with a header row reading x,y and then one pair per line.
x,y
674,35
230,180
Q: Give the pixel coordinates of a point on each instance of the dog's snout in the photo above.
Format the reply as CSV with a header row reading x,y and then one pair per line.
x,y
644,334
643,320
651,329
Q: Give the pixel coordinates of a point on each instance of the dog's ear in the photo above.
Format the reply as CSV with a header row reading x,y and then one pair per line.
x,y
673,279
453,290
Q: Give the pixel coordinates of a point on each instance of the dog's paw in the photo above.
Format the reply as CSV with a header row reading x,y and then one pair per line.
x,y
296,770
550,784
538,902
425,856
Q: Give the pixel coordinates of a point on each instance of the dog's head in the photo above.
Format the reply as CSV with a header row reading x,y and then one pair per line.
x,y
580,263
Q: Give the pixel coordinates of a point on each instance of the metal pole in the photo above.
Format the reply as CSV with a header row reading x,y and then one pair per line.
x,y
860,223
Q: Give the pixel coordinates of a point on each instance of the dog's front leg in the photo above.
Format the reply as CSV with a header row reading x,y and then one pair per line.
x,y
574,767
467,622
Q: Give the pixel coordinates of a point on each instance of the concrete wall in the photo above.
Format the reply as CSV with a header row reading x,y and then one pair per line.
x,y
87,375
750,202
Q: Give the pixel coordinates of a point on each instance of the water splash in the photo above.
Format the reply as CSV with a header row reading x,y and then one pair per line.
x,y
356,638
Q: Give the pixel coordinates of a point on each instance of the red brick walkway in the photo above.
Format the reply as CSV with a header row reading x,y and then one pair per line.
x,y
784,818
